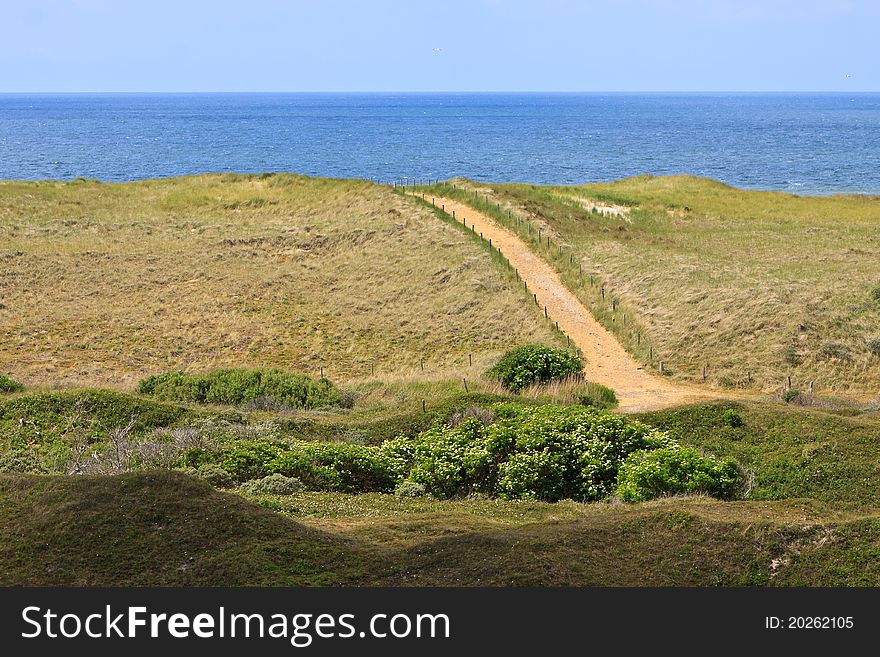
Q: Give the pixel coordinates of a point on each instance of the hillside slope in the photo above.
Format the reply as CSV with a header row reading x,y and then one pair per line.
x,y
166,529
104,283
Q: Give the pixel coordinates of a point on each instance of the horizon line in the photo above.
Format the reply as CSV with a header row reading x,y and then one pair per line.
x,y
448,91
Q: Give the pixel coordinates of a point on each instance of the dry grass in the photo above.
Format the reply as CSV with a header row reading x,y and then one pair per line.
x,y
758,285
106,283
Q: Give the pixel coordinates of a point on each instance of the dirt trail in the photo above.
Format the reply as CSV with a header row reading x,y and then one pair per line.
x,y
606,360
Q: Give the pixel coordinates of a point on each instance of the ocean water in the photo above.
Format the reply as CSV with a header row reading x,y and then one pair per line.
x,y
801,143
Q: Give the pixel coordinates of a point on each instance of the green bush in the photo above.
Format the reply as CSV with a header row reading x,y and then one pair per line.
x,y
529,452
576,451
675,470
9,385
875,293
408,488
274,484
245,459
269,387
21,460
447,461
790,395
598,396
52,418
874,346
213,474
732,418
534,363
337,466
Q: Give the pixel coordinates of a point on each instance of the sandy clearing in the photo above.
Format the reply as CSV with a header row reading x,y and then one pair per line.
x,y
606,210
607,362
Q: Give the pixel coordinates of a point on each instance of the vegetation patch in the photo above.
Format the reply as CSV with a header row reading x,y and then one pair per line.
x,y
543,453
9,385
675,470
598,396
274,484
239,386
534,363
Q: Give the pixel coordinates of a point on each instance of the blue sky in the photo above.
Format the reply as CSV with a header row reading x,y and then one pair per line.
x,y
441,45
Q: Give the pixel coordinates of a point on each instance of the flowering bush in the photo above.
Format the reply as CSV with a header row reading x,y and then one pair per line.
x,y
675,470
534,363
535,452
274,484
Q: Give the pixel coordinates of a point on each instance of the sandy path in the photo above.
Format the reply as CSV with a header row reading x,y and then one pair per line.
x,y
606,360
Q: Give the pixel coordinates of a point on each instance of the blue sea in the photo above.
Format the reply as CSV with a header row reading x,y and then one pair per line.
x,y
801,143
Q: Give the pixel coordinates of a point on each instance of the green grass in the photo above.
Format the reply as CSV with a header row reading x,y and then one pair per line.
x,y
113,282
166,529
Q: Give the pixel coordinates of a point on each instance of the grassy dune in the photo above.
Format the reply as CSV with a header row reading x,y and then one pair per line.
x,y
810,515
104,283
755,286
166,529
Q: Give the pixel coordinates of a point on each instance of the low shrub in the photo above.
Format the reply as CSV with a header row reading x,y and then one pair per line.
x,y
346,468
554,452
675,470
875,293
874,346
21,460
447,461
408,488
274,484
260,388
534,363
790,396
9,385
529,452
62,417
731,418
598,396
214,475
